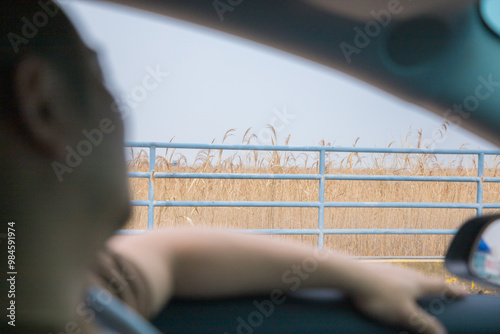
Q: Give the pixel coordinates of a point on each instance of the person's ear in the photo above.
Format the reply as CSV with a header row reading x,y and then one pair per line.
x,y
35,87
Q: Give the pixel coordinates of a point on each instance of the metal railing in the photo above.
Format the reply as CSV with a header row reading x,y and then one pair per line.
x,y
321,177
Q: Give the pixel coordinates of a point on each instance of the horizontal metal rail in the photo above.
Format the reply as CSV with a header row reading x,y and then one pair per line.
x,y
401,258
330,231
249,176
310,148
276,204
320,177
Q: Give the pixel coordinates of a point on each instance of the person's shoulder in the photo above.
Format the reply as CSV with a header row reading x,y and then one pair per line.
x,y
153,255
119,276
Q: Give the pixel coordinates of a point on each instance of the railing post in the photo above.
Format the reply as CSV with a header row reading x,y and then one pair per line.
x,y
151,194
321,209
480,174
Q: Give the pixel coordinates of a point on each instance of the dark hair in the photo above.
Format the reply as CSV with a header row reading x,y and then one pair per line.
x,y
35,27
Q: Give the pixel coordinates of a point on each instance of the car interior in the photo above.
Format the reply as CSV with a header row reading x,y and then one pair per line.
x,y
435,54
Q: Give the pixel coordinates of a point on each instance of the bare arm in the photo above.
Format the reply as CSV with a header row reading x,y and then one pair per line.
x,y
205,263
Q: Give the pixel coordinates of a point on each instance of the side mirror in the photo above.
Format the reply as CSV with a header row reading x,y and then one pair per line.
x,y
490,12
474,253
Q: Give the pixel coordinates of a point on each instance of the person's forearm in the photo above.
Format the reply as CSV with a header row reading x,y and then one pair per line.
x,y
208,263
215,264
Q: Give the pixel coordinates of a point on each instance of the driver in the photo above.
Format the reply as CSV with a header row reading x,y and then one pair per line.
x,y
56,117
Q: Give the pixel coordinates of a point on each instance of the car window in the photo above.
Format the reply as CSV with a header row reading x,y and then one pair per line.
x,y
183,83
210,82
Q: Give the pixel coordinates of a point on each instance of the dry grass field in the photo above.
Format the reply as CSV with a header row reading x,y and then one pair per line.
x,y
217,161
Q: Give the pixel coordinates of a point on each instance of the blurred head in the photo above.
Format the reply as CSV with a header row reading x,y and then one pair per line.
x,y
55,106
62,169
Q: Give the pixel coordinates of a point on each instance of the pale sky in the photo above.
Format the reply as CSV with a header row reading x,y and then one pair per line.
x,y
217,82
